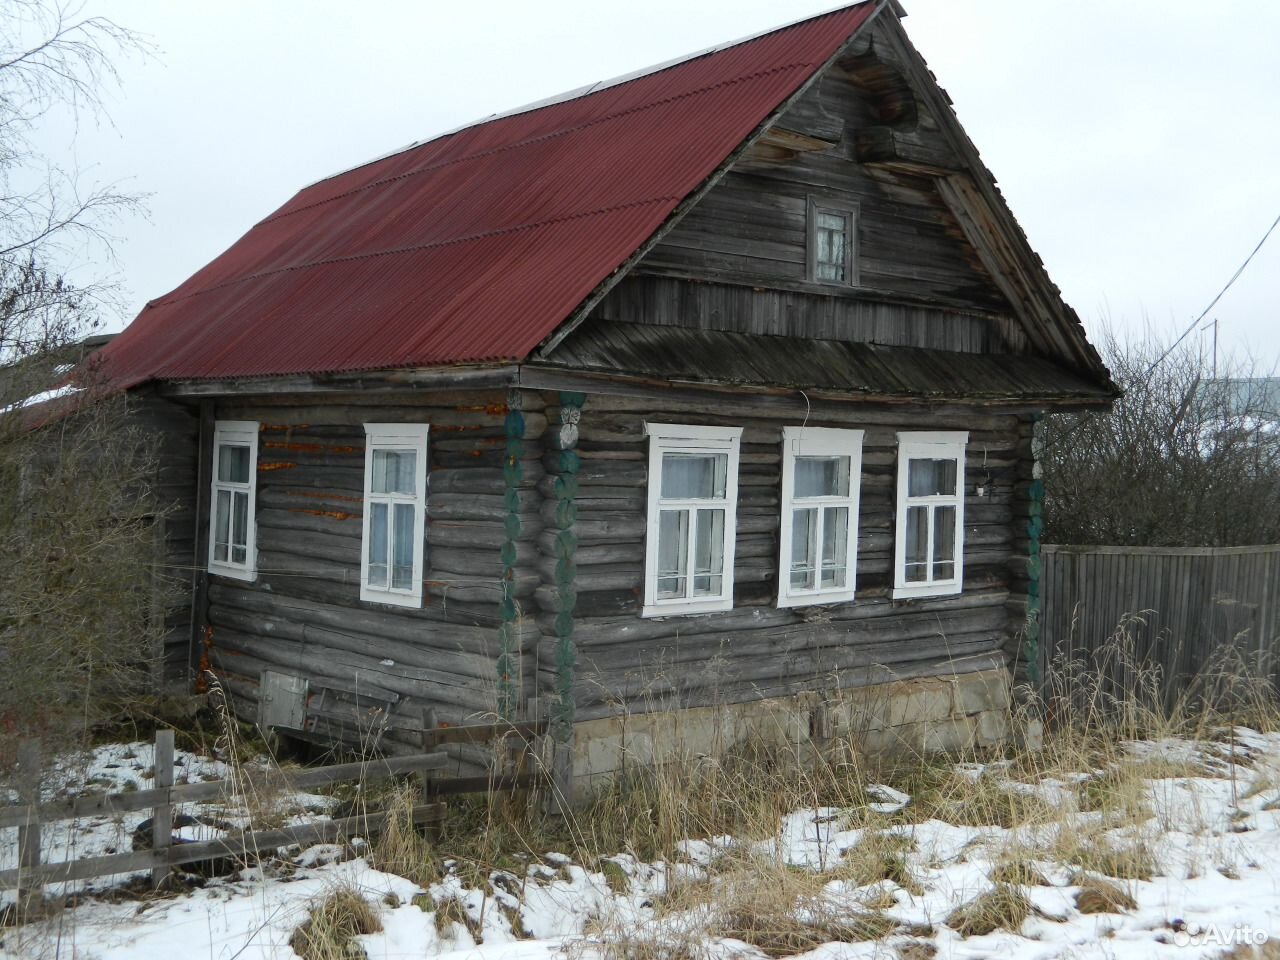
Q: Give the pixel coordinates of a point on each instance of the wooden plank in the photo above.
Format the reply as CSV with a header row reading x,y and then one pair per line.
x,y
29,791
482,733
162,815
233,845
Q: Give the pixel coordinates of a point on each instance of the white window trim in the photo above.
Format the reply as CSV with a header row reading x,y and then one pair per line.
x,y
396,436
928,445
244,432
682,438
819,442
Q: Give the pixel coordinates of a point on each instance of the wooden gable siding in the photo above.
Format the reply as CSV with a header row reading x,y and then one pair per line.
x,y
303,613
630,664
921,283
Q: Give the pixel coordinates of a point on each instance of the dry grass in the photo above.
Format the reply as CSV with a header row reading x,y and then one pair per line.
x,y
1004,907
401,848
1099,895
1091,851
329,932
1019,872
1243,951
879,855
450,911
779,932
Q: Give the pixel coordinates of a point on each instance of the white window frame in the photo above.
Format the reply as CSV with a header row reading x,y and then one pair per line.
x,y
684,438
848,209
241,432
396,436
918,445
800,442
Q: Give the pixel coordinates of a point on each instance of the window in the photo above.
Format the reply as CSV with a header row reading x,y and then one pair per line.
x,y
395,501
231,522
693,496
833,234
821,473
929,549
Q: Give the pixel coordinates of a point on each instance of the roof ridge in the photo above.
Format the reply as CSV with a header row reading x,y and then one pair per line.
x,y
597,86
517,144
167,301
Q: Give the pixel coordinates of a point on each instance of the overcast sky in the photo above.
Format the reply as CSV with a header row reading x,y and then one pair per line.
x,y
1137,142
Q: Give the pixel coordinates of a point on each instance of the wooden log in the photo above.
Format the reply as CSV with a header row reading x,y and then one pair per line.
x,y
630,630
477,506
319,662
465,651
479,534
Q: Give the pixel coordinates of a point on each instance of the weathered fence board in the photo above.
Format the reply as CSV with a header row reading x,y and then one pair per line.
x,y
1184,610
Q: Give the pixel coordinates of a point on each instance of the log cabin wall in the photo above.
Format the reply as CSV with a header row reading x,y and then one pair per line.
x,y
744,245
626,664
303,613
175,430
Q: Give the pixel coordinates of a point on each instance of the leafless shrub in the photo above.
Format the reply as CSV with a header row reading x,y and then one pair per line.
x,y
1187,457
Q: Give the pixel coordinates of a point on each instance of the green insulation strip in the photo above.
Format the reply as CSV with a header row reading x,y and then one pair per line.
x,y
566,544
1035,525
508,609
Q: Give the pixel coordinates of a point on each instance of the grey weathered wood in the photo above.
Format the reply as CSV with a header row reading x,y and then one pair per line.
x,y
162,814
104,804
1182,609
29,823
251,843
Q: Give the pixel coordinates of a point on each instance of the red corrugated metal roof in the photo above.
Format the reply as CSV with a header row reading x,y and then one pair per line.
x,y
475,246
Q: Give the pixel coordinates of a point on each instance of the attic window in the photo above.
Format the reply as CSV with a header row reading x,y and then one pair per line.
x,y
833,241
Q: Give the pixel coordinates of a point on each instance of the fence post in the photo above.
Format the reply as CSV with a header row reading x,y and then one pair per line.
x,y
29,832
162,815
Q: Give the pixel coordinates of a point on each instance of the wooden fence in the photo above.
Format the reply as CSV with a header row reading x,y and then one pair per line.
x,y
163,852
1190,611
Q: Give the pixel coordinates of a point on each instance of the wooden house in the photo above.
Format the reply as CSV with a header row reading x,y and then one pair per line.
x,y
688,407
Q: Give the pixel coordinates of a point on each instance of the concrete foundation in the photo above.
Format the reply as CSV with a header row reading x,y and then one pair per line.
x,y
922,715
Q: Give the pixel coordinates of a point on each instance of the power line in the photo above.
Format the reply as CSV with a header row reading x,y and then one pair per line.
x,y
1213,303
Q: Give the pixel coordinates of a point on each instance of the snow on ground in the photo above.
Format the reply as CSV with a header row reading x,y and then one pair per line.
x,y
1214,837
124,767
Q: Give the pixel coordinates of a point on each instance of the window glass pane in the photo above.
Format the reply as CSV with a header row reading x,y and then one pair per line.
x,y
831,221
708,565
402,547
377,545
673,550
830,271
917,544
944,543
835,542
830,240
222,525
239,526
394,472
804,548
406,472
822,477
944,533
233,463
931,478
689,476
